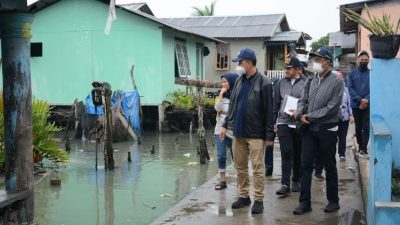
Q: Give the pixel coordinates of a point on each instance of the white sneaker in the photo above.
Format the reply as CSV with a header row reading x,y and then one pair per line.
x,y
342,158
363,155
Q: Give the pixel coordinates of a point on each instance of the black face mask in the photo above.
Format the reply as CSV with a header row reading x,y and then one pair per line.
x,y
363,66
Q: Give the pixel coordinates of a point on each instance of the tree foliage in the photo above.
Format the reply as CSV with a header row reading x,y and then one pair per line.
x,y
323,42
206,11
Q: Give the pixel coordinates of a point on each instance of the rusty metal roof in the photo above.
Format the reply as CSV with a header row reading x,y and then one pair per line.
x,y
234,26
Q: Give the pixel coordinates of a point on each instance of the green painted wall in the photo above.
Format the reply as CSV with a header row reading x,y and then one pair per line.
x,y
76,52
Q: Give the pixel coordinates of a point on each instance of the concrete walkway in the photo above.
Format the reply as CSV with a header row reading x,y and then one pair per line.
x,y
208,206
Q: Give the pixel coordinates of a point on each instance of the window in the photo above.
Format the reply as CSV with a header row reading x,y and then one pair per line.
x,y
222,57
181,59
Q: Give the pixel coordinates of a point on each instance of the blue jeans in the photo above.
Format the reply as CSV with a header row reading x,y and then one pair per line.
x,y
221,151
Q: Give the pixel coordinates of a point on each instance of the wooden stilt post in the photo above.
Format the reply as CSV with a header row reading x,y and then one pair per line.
x,y
285,54
108,150
201,132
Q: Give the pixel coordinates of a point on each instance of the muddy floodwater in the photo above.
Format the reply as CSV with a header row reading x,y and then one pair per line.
x,y
136,192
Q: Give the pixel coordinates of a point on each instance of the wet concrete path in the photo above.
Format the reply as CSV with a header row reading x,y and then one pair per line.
x,y
208,206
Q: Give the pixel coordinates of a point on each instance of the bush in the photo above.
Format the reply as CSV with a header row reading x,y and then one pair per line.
x,y
181,100
44,144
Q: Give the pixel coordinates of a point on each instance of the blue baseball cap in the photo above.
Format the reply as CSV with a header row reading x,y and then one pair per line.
x,y
322,52
245,53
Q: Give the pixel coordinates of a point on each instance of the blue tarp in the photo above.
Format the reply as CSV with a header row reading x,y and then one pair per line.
x,y
129,105
90,109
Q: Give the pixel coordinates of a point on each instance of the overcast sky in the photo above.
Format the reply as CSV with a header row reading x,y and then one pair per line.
x,y
317,18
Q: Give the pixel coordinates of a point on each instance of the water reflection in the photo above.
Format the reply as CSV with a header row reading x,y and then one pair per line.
x,y
135,192
109,198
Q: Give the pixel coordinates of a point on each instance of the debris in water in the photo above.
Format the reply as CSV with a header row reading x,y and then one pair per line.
x,y
80,150
166,195
187,155
192,163
149,206
152,151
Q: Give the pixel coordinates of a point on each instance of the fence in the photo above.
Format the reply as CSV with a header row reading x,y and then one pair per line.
x,y
275,73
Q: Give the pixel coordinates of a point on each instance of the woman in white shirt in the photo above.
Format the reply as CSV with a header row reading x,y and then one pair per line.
x,y
222,107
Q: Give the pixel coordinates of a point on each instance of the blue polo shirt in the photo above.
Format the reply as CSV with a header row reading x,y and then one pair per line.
x,y
240,126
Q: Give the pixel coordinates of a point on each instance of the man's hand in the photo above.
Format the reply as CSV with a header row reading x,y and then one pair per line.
x,y
363,103
304,119
223,133
351,119
269,143
275,128
293,113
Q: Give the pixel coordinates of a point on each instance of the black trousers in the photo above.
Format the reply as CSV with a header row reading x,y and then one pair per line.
x,y
318,164
342,135
290,143
269,158
323,142
361,118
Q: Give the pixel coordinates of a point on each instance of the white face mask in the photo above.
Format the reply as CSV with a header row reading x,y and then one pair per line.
x,y
317,67
240,70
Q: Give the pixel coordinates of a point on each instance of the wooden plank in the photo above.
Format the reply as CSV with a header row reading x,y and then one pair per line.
x,y
7,199
198,83
126,125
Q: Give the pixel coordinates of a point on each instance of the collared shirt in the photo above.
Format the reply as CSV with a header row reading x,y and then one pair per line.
x,y
240,128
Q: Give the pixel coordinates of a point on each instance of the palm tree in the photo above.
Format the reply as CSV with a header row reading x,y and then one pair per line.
x,y
207,11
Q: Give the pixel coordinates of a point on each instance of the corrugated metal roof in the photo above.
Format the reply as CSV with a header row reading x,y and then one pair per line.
x,y
133,6
39,5
171,26
287,36
233,26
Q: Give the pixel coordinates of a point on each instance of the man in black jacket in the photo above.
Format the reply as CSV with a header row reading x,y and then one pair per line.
x,y
250,119
318,109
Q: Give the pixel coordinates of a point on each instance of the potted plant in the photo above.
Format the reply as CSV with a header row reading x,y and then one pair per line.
x,y
385,38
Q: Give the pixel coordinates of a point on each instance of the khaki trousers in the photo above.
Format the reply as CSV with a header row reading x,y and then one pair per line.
x,y
243,149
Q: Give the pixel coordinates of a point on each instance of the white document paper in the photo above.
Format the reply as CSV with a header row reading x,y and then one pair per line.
x,y
290,104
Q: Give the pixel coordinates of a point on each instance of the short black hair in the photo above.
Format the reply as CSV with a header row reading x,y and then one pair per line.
x,y
253,62
361,53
